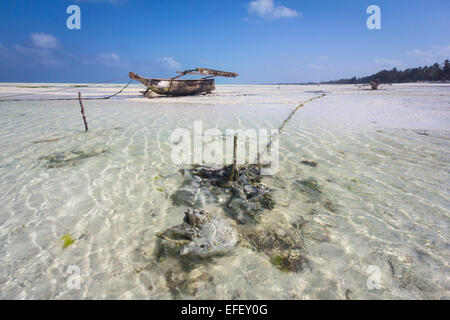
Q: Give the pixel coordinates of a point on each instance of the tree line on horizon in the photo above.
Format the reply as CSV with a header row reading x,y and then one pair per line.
x,y
428,73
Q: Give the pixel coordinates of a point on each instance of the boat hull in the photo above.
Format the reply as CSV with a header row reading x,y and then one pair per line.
x,y
170,87
180,87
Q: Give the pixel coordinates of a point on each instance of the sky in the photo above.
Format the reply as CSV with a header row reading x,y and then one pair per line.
x,y
265,41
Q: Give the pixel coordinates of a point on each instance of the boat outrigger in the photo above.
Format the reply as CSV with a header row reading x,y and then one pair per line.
x,y
182,87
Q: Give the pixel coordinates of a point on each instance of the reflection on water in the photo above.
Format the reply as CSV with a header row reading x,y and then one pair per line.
x,y
353,191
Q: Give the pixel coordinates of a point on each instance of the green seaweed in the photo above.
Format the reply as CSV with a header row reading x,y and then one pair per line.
x,y
282,263
160,189
67,240
286,252
311,184
277,261
310,187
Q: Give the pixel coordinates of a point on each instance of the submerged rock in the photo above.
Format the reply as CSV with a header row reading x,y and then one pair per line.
x,y
286,250
329,205
309,163
249,200
187,196
315,232
299,222
310,188
200,234
180,285
194,195
308,185
289,261
242,198
313,192
68,158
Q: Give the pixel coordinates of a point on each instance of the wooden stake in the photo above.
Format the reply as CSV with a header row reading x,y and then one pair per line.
x,y
234,150
82,112
234,170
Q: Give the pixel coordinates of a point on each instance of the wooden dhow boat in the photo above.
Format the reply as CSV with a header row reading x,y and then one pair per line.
x,y
182,87
375,84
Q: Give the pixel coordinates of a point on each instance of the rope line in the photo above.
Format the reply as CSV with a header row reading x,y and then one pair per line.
x,y
283,124
58,90
115,94
58,99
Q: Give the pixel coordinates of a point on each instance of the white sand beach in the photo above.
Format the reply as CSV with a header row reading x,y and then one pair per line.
x,y
383,167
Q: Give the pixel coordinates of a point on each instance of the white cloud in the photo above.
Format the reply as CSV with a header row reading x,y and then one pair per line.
x,y
18,54
169,62
415,58
284,12
442,51
419,53
436,54
391,63
111,60
261,7
267,9
44,40
314,66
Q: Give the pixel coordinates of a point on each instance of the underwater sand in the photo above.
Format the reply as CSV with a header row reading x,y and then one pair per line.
x,y
383,167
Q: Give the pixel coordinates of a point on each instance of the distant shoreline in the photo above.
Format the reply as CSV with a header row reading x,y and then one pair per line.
x,y
38,85
361,83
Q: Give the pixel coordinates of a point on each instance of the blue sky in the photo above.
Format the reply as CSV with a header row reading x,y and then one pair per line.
x,y
265,41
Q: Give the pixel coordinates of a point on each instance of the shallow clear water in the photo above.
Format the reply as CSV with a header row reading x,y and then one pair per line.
x,y
383,166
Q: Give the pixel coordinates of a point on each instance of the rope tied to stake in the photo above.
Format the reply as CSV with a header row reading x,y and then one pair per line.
x,y
283,124
66,88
